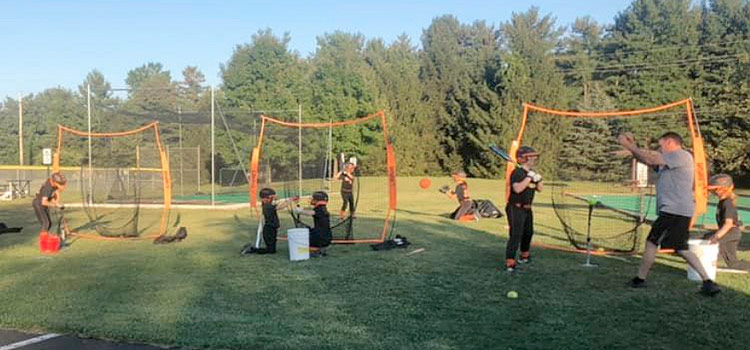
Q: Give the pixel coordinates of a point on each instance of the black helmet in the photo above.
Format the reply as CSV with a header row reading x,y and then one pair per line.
x,y
525,151
59,179
267,193
320,196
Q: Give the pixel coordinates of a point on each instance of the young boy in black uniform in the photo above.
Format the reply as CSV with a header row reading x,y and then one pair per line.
x,y
270,222
461,194
48,196
729,233
320,233
347,186
524,183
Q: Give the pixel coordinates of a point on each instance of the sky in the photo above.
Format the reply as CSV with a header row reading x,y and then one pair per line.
x,y
56,43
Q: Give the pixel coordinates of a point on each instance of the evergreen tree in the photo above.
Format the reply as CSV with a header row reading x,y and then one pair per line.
x,y
460,69
344,86
414,134
724,85
530,75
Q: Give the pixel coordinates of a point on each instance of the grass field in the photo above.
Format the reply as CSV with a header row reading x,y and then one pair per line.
x,y
201,294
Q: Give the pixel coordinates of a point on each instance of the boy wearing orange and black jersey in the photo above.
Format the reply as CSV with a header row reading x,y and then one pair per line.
x,y
320,234
270,222
524,184
461,194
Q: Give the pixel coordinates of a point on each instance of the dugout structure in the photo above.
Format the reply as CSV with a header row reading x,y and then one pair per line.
x,y
588,176
297,159
121,179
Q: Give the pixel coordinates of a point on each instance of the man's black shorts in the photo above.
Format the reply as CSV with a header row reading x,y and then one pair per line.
x,y
670,231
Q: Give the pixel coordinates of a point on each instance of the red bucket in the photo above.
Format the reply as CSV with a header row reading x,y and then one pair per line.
x,y
43,241
53,244
48,243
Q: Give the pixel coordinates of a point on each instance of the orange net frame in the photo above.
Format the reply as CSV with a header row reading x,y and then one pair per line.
x,y
584,172
126,172
275,163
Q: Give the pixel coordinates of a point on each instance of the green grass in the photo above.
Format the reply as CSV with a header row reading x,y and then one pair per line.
x,y
201,294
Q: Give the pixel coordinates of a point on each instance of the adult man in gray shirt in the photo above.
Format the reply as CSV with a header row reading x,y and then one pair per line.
x,y
674,202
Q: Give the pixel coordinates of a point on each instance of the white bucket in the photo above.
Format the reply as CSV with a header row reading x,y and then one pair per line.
x,y
707,254
299,243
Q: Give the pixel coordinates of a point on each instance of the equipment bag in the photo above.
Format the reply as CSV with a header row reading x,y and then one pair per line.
x,y
486,209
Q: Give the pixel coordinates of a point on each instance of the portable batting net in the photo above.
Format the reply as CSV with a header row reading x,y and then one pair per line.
x,y
121,179
297,159
595,188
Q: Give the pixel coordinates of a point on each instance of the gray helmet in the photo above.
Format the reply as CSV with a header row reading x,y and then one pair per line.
x,y
721,180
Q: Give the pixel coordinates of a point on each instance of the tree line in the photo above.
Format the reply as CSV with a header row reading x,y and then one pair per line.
x,y
449,95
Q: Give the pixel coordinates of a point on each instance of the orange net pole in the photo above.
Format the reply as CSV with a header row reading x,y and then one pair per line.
x,y
167,184
108,134
254,161
509,167
105,238
253,192
390,156
634,112
391,166
323,125
262,130
56,156
166,176
700,190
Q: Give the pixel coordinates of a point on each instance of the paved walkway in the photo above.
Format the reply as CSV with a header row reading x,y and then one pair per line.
x,y
12,340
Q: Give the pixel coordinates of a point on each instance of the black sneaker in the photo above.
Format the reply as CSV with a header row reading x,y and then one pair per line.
x,y
710,288
524,260
248,250
637,283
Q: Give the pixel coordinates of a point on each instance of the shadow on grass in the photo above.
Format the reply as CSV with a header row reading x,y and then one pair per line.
x,y
201,294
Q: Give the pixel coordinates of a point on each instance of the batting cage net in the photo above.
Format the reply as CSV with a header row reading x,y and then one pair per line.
x,y
596,189
352,161
121,180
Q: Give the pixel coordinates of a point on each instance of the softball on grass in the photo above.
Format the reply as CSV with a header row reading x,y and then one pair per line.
x,y
425,183
512,295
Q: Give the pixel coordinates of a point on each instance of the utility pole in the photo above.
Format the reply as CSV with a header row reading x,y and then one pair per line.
x,y
213,152
182,174
20,135
299,150
20,129
91,173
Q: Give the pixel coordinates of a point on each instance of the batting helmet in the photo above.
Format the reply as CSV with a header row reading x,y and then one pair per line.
x,y
525,152
319,196
266,193
59,179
